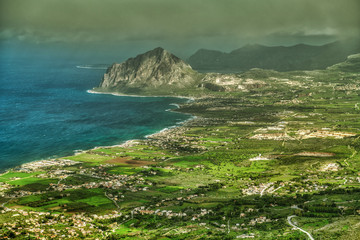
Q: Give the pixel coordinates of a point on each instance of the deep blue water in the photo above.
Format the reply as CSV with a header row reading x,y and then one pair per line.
x,y
45,111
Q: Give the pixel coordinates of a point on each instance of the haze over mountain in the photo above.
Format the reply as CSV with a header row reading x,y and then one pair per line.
x,y
179,26
280,58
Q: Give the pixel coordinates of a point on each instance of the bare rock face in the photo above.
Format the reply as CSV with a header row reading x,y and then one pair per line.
x,y
156,71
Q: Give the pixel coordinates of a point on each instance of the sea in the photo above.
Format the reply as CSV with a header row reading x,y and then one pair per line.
x,y
46,110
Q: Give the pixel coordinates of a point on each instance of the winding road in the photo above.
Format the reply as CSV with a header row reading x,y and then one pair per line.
x,y
289,221
115,203
262,191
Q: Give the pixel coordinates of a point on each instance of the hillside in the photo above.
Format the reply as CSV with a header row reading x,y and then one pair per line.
x,y
279,58
352,64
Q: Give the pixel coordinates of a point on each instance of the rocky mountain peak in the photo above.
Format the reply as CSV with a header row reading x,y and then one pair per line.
x,y
158,53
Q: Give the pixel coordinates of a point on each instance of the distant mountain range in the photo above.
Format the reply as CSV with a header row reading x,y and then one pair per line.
x,y
298,57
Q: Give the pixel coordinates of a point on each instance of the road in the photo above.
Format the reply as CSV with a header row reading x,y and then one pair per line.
x,y
289,221
262,191
115,203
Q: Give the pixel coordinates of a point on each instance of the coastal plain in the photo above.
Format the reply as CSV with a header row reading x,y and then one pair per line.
x,y
267,151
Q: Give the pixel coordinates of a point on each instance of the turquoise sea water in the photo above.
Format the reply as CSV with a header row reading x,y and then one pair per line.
x,y
46,111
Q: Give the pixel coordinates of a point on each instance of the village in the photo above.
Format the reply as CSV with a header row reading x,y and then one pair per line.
x,y
38,223
237,170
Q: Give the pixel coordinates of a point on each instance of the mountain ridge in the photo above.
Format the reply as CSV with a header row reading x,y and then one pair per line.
x,y
279,58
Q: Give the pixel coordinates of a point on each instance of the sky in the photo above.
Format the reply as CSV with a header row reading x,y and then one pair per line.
x,y
181,26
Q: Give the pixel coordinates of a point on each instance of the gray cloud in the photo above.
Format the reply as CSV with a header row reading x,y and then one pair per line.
x,y
176,21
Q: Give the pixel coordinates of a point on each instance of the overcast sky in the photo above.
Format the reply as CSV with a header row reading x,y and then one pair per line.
x,y
216,24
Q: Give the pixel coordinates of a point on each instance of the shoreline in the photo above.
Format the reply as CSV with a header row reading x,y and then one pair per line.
x,y
124,144
92,91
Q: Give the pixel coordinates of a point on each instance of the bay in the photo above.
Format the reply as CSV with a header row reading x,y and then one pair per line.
x,y
46,111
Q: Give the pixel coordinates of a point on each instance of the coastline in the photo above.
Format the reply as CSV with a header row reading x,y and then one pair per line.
x,y
162,131
222,170
124,144
92,91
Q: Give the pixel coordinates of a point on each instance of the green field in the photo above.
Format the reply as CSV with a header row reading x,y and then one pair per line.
x,y
250,160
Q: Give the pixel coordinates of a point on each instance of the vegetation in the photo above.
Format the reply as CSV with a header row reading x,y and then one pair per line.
x,y
288,145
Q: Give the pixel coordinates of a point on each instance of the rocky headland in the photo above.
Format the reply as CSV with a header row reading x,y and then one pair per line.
x,y
156,71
